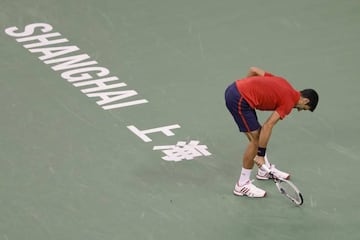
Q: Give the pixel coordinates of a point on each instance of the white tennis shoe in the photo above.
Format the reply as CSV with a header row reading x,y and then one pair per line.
x,y
249,189
263,175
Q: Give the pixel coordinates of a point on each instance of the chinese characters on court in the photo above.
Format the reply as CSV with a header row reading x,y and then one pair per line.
x,y
178,152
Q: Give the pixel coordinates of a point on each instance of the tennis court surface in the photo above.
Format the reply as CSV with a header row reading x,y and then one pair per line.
x,y
114,125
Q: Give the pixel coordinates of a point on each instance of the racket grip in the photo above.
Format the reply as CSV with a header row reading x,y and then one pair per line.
x,y
265,168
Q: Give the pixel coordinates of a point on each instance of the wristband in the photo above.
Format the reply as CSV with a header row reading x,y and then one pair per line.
x,y
261,151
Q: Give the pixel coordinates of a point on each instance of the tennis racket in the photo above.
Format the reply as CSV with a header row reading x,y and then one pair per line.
x,y
287,188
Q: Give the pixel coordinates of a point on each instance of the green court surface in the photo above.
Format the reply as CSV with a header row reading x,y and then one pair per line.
x,y
71,169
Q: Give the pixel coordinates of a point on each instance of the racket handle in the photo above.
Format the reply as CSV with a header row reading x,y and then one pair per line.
x,y
265,168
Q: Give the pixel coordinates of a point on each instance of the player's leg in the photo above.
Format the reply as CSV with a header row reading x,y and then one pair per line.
x,y
251,149
244,186
246,120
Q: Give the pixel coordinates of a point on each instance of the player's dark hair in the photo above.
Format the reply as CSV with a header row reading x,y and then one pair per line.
x,y
312,95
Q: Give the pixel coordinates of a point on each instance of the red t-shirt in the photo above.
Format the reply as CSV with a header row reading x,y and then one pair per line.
x,y
269,93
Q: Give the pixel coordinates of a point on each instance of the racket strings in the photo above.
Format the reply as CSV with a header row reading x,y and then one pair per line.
x,y
290,191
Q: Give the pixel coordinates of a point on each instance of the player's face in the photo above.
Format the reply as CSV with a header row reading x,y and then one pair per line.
x,y
302,107
302,104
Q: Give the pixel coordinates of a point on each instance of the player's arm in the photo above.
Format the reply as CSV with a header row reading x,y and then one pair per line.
x,y
264,137
255,71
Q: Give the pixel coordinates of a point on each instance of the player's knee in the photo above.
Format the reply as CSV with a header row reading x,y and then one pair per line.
x,y
255,142
253,137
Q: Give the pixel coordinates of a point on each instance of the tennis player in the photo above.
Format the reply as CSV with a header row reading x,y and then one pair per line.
x,y
264,91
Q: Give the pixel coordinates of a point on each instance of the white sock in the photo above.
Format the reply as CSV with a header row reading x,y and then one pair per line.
x,y
244,176
267,163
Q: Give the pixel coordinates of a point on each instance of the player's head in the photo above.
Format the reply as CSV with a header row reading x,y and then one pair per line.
x,y
309,99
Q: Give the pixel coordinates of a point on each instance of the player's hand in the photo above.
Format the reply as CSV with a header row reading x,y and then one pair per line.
x,y
259,161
